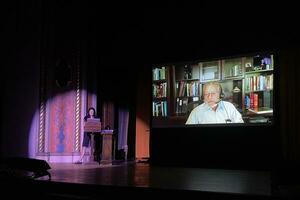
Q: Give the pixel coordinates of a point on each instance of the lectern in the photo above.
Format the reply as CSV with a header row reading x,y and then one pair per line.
x,y
92,125
106,147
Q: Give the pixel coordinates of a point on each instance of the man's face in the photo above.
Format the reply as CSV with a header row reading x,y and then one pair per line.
x,y
211,95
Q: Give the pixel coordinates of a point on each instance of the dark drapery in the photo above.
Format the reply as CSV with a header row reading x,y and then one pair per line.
x,y
289,107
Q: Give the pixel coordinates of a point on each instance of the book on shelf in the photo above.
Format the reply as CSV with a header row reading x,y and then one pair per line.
x,y
159,73
187,88
159,109
181,105
255,100
261,110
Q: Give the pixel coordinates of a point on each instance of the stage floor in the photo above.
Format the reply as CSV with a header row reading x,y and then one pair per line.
x,y
142,175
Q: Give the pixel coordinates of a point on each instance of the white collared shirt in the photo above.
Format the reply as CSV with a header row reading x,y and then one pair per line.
x,y
225,113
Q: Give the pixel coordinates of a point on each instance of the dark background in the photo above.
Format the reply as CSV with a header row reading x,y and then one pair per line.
x,y
122,41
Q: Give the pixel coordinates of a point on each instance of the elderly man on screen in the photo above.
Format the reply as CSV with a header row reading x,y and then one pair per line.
x,y
214,110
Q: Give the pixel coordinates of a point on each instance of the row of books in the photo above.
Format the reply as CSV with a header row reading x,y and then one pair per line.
x,y
257,100
159,109
159,90
187,88
261,82
159,73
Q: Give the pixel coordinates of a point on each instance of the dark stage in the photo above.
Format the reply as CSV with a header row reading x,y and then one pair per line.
x,y
91,181
145,176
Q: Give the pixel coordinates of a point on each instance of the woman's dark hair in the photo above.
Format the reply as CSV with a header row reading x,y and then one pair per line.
x,y
88,113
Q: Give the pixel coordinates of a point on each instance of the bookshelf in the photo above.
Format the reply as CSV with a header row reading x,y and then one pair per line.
x,y
258,84
160,91
187,88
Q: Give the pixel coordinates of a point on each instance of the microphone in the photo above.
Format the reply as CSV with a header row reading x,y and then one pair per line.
x,y
228,120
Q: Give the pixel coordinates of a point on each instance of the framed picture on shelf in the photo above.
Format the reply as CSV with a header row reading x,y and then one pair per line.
x,y
210,71
232,68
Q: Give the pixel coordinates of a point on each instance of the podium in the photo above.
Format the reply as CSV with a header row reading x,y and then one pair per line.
x,y
106,147
92,125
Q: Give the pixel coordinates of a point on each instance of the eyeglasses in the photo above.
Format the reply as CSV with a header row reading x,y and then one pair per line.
x,y
210,93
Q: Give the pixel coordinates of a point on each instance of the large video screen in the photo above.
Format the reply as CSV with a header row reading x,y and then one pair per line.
x,y
234,90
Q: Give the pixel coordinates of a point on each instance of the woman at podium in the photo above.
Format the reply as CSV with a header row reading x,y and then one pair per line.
x,y
87,135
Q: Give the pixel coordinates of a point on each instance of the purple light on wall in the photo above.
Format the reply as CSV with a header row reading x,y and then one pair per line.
x,y
32,140
70,135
